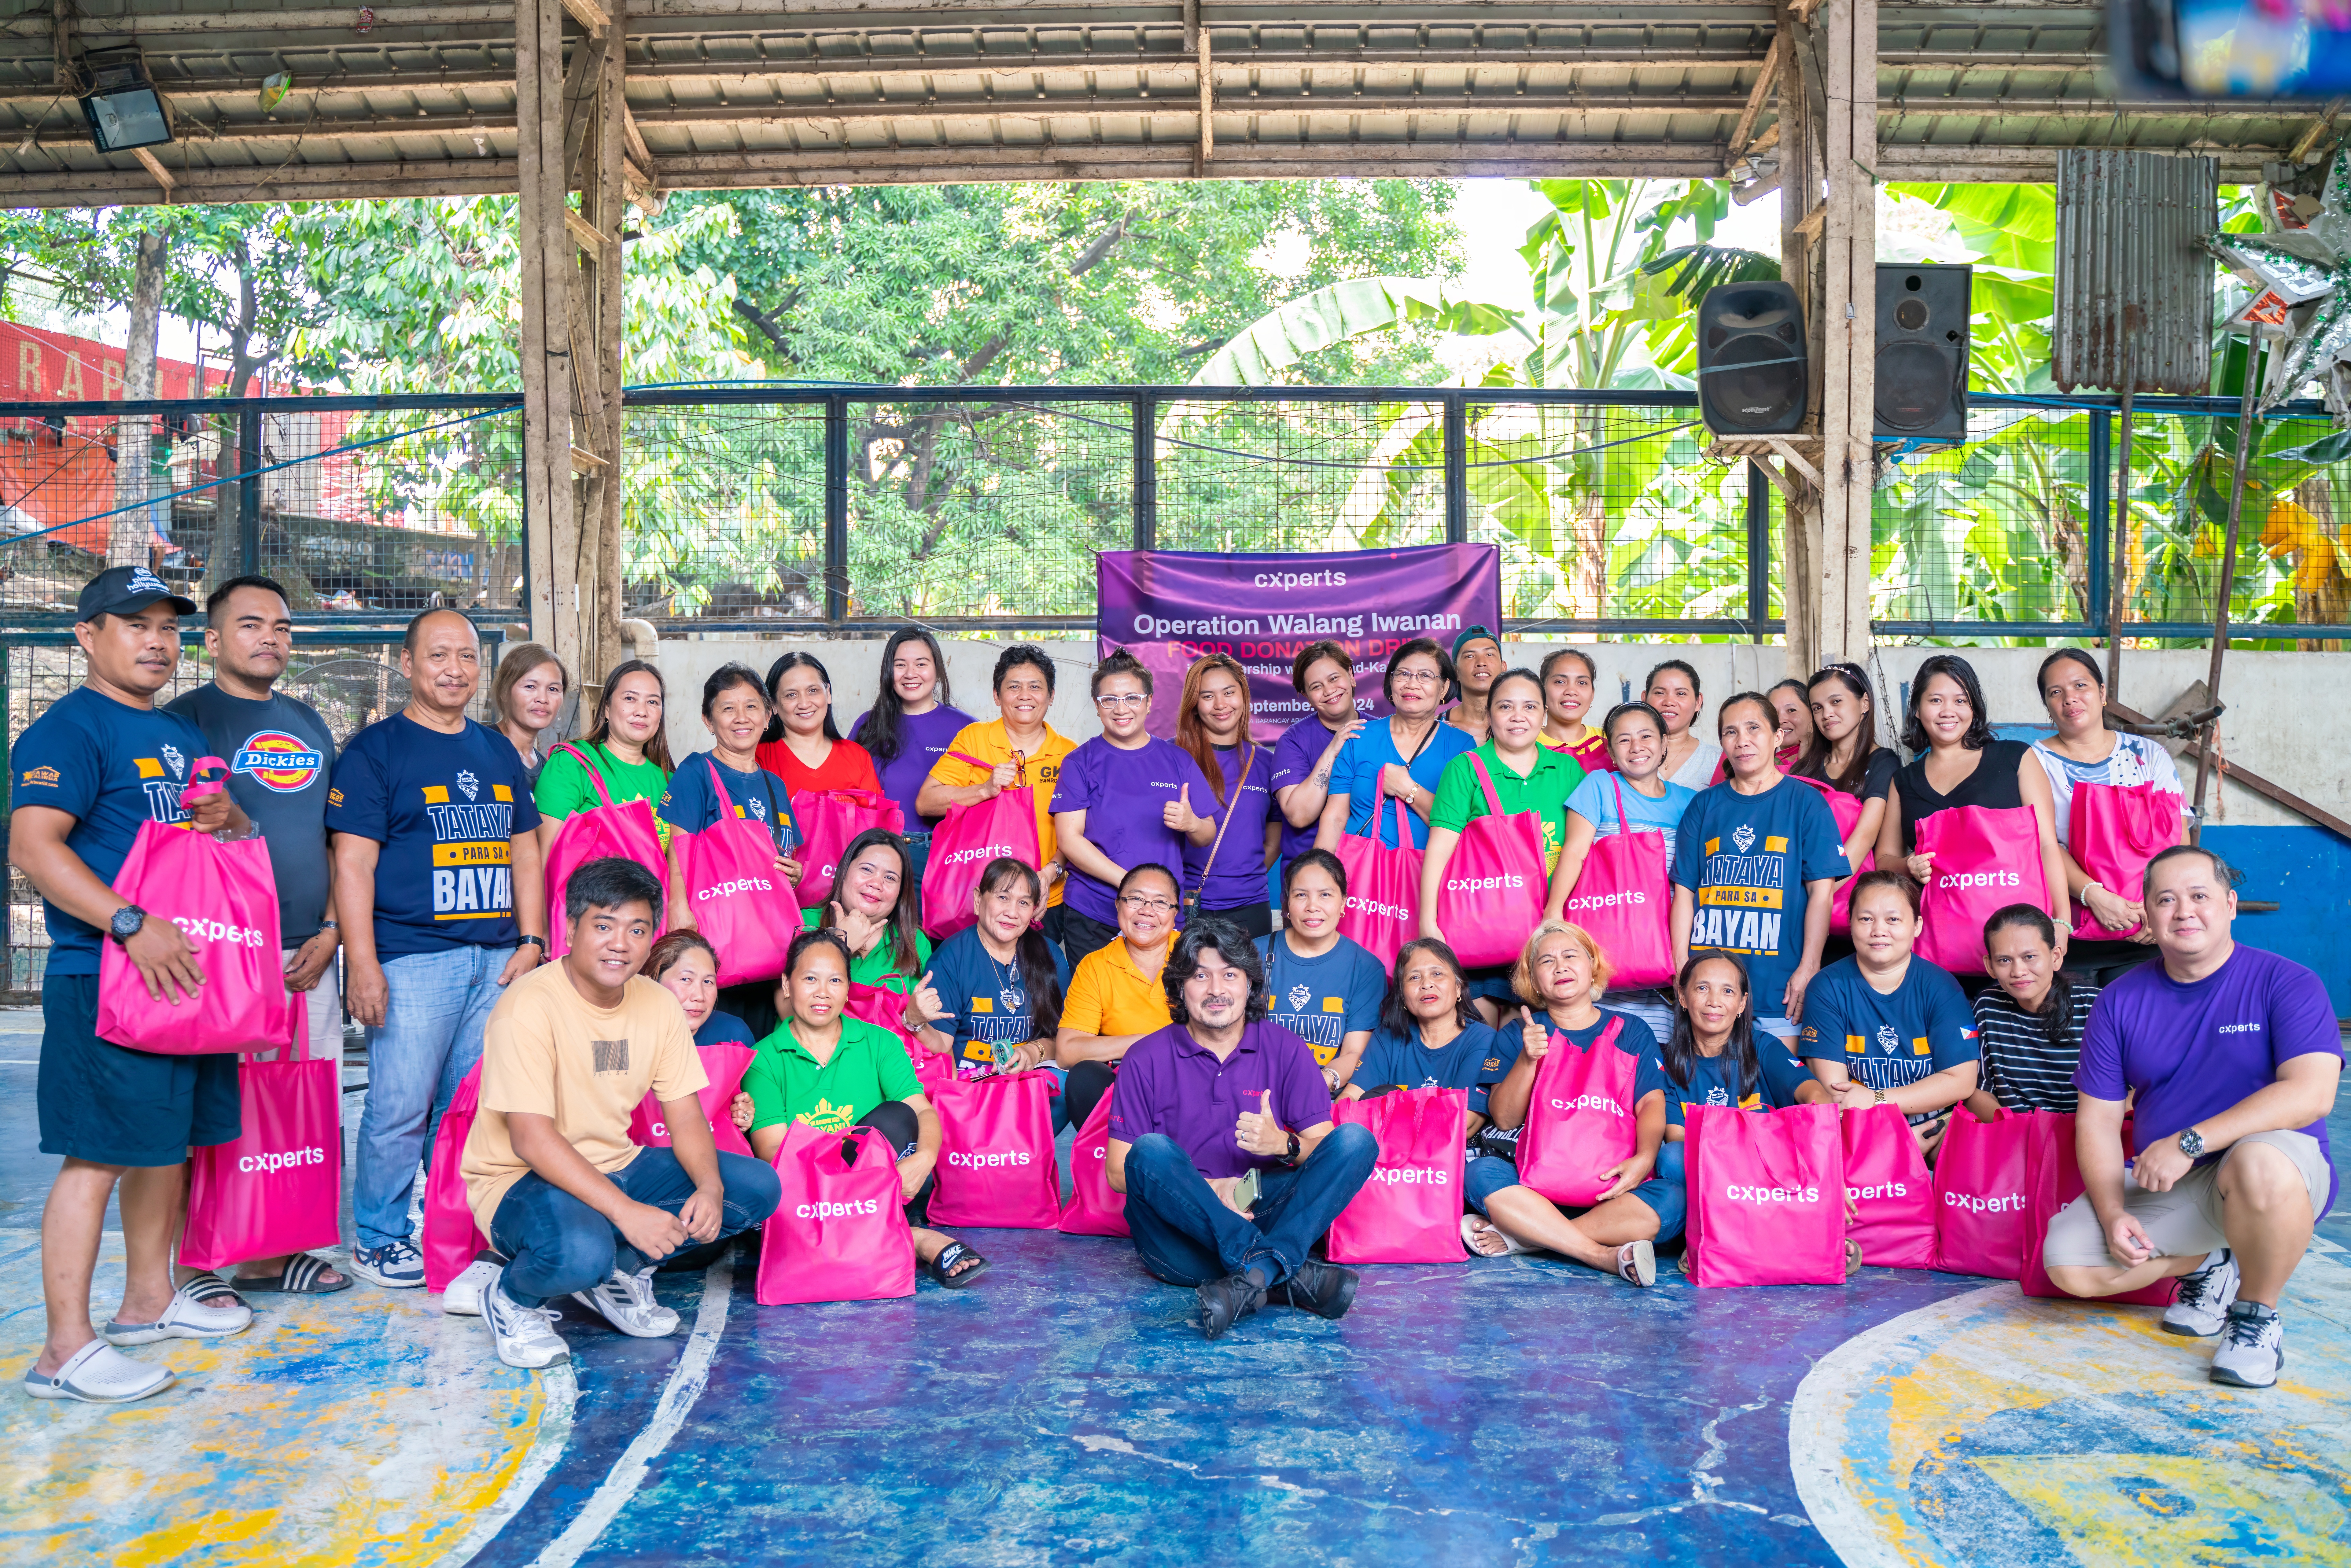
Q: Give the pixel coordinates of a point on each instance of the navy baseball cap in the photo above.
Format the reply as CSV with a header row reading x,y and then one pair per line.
x,y
126,591
1470,634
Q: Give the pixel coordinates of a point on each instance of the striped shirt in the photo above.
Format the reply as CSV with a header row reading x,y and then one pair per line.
x,y
2019,1068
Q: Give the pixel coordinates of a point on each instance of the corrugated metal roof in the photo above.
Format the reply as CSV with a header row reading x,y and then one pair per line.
x,y
419,99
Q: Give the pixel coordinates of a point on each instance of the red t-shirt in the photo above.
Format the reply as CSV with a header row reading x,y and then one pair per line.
x,y
846,766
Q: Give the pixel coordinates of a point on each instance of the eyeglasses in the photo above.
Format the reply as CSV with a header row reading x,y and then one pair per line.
x,y
1143,906
1122,699
1418,678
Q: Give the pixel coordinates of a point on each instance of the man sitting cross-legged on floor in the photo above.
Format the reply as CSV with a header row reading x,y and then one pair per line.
x,y
1223,1092
555,1183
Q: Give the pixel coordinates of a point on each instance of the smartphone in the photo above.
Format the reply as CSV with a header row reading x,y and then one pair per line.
x,y
1245,1194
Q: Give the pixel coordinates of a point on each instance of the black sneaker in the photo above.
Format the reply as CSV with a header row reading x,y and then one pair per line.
x,y
1323,1288
1226,1302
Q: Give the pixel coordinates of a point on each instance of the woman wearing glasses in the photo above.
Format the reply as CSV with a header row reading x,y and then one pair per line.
x,y
1115,996
1125,799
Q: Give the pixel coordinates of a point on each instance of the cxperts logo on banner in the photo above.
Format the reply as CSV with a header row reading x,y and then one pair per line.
x,y
1169,607
279,761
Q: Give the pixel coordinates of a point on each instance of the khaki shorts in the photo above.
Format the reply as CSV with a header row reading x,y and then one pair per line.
x,y
2184,1222
324,1004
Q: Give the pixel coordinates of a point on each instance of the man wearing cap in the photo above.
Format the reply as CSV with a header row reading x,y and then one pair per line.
x,y
438,893
99,763
1477,665
280,754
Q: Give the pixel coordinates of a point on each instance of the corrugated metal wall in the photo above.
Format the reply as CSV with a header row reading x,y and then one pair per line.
x,y
2130,229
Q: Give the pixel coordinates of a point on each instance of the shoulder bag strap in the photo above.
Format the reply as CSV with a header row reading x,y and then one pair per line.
x,y
1249,759
1616,781
588,768
1485,782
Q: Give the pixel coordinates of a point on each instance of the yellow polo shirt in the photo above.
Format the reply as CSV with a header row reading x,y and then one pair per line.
x,y
1109,995
1039,770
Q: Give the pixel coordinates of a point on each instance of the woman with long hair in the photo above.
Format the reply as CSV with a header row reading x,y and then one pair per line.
x,y
1212,724
1561,977
527,694
1403,755
624,749
990,999
1791,699
876,907
1958,762
1430,1036
1843,753
909,728
803,746
2085,751
2029,1023
1672,688
1323,674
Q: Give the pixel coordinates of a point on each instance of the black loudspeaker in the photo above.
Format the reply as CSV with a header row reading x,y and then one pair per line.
x,y
1751,375
1922,351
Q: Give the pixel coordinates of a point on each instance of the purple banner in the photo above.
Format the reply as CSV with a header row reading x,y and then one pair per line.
x,y
1169,607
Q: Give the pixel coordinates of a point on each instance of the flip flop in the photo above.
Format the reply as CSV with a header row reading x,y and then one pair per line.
x,y
300,1276
1471,1224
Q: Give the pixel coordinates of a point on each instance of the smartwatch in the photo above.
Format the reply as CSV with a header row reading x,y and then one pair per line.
x,y
126,923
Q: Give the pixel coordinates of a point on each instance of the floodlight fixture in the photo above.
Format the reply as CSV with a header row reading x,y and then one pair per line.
x,y
123,108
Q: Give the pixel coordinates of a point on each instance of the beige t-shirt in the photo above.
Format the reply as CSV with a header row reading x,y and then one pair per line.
x,y
547,1051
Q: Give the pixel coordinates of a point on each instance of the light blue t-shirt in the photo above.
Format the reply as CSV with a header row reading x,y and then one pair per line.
x,y
1356,775
1595,799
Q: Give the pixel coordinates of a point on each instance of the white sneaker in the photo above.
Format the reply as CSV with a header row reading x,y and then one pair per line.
x,y
2254,1348
2201,1307
463,1299
524,1336
626,1301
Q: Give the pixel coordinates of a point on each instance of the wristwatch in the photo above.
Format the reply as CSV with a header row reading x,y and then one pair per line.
x,y
539,942
126,923
2191,1143
1877,1095
1294,1146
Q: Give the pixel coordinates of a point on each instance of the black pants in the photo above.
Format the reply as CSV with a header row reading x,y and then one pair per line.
x,y
2100,963
901,1130
1255,920
1082,935
1088,1083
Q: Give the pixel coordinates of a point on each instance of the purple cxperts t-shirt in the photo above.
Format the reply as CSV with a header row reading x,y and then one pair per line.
x,y
2194,1049
1168,1085
1124,795
923,738
1294,755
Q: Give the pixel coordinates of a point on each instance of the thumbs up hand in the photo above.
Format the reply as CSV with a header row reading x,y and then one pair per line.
x,y
1178,813
1534,1038
1257,1133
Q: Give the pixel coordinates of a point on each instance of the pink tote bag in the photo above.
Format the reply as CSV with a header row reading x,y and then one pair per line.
x,y
451,1238
2052,1179
884,1009
830,822
2113,830
1383,908
1409,1209
965,840
1492,894
1093,1209
1846,808
1766,1196
275,1190
1986,858
996,1152
840,1232
1981,1217
739,900
724,1064
224,898
1580,1121
625,830
1622,897
1893,1195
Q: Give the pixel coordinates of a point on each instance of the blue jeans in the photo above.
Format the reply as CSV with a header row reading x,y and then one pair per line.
x,y
431,1037
1188,1235
556,1244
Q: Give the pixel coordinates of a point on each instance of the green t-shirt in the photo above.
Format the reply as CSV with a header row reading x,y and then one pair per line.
x,y
870,1067
878,968
565,790
1461,801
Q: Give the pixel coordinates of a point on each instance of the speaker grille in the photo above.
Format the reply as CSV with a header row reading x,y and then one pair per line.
x,y
1753,377
1914,386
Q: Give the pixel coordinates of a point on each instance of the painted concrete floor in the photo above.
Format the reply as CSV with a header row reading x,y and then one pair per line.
x,y
1066,1411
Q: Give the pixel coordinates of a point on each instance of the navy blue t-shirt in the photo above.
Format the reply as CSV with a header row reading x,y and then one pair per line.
x,y
1745,859
111,767
280,758
987,1003
690,805
1714,1081
1886,1041
1322,1000
1474,1059
723,1029
446,808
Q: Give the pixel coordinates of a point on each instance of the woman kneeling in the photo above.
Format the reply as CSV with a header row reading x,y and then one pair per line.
x,y
822,1070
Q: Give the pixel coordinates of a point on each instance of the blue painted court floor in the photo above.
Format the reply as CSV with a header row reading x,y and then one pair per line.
x,y
1066,1411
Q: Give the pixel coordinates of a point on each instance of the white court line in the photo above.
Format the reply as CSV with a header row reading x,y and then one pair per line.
x,y
686,1383
561,1388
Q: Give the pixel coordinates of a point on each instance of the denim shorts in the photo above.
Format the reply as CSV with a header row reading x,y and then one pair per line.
x,y
111,1105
